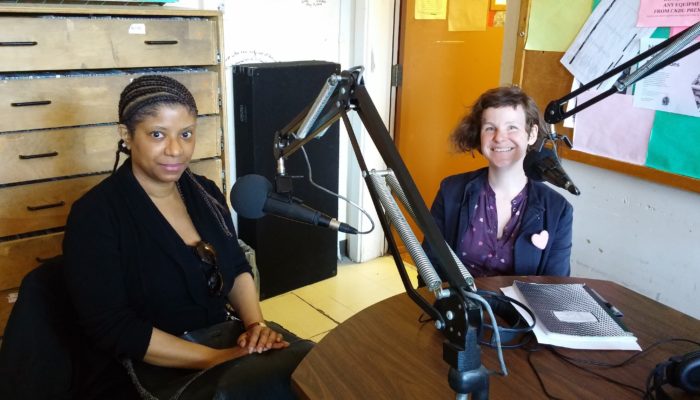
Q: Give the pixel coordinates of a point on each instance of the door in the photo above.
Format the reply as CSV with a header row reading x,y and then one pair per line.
x,y
443,74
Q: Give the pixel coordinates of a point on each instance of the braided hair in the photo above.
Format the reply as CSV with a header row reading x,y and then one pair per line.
x,y
142,98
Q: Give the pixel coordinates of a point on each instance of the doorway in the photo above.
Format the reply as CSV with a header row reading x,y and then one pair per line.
x,y
443,73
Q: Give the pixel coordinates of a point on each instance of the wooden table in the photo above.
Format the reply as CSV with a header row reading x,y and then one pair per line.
x,y
383,352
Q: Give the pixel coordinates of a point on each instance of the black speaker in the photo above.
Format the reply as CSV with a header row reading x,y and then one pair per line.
x,y
267,97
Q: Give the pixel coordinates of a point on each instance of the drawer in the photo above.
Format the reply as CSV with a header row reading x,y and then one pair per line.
x,y
28,208
96,43
18,257
83,99
212,169
53,153
7,300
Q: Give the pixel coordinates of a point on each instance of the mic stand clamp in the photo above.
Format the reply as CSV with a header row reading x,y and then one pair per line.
x,y
283,181
553,137
461,348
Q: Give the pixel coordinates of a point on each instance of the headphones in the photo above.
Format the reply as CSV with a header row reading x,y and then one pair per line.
x,y
502,306
680,371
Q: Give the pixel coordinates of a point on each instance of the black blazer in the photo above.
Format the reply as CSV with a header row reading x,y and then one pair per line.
x,y
546,210
127,270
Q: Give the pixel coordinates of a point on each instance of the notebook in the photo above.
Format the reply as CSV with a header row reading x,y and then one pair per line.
x,y
569,316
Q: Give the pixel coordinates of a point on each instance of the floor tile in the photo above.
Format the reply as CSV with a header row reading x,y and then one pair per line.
x,y
296,315
320,336
313,310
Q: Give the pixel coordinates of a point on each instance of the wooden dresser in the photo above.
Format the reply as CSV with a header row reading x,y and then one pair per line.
x,y
61,71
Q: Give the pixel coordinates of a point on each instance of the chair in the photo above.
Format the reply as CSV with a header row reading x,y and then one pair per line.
x,y
35,357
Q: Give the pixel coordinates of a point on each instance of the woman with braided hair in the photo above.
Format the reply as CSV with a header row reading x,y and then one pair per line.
x,y
152,260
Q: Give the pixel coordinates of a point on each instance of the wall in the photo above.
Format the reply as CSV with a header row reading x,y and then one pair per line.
x,y
640,234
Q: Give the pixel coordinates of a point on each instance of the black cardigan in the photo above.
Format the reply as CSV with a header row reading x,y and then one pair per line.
x,y
127,270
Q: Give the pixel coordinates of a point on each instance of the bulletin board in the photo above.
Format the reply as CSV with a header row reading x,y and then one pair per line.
x,y
544,78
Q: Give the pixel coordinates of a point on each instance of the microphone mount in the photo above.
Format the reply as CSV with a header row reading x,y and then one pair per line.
x,y
551,139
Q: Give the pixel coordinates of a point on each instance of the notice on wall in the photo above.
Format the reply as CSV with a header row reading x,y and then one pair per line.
x,y
613,128
674,145
430,9
608,38
467,15
655,13
674,88
554,24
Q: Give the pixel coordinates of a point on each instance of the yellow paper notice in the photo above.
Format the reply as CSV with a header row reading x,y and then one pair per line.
x,y
467,15
431,9
554,23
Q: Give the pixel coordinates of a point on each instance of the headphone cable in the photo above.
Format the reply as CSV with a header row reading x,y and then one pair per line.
x,y
646,393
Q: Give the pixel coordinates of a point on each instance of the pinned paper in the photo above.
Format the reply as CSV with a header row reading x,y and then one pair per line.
x,y
675,144
608,38
674,88
613,128
430,9
653,13
467,15
554,23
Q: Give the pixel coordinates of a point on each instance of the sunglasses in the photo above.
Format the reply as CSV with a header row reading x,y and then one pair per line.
x,y
215,281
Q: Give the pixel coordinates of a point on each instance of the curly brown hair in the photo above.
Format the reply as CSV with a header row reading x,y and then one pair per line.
x,y
467,135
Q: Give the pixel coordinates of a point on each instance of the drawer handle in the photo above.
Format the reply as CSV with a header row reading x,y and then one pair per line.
x,y
42,155
42,259
45,206
160,42
31,103
18,43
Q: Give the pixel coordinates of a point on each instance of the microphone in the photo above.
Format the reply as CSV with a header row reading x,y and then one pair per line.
x,y
252,197
544,165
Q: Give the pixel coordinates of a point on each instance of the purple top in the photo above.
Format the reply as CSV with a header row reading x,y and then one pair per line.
x,y
479,250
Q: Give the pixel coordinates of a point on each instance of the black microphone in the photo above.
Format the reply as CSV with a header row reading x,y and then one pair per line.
x,y
544,165
252,197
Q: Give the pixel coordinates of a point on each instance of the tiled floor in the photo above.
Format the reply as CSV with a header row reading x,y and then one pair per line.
x,y
313,310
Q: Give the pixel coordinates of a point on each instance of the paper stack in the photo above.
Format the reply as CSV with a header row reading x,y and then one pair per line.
x,y
569,316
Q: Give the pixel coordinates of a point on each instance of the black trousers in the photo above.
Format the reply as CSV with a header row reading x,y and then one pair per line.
x,y
256,376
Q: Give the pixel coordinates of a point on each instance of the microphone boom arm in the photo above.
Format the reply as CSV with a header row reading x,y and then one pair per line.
x,y
455,315
662,55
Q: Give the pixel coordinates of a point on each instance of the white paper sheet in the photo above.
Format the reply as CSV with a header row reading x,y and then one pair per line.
x,y
675,88
608,38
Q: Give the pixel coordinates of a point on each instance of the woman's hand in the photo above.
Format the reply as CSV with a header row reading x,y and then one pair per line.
x,y
222,355
259,337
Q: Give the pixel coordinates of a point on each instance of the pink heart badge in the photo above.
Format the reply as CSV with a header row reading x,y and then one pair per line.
x,y
540,239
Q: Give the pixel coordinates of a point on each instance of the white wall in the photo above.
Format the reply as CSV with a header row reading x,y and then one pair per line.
x,y
640,234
